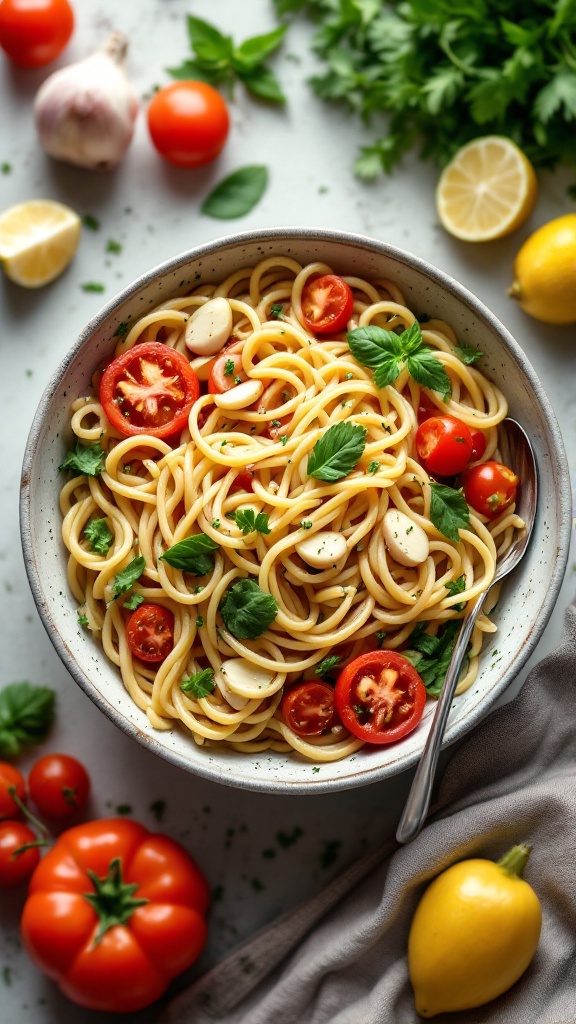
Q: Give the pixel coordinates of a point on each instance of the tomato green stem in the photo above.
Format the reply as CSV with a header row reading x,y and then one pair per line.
x,y
515,860
30,846
112,899
28,814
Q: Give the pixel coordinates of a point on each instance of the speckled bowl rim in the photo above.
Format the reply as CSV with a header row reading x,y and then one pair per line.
x,y
437,277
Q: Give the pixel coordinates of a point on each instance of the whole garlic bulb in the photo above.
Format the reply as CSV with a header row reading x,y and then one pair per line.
x,y
85,112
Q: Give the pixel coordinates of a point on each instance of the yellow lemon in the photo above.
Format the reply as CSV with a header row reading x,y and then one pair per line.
x,y
38,239
545,272
488,190
474,933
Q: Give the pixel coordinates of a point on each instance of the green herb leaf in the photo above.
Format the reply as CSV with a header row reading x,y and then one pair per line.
x,y
373,467
193,555
262,82
468,355
449,511
431,655
457,587
121,331
83,620
386,353
324,669
26,714
237,194
89,459
255,50
133,602
200,684
126,579
229,368
92,286
372,345
99,535
277,313
429,372
208,43
247,521
337,452
246,610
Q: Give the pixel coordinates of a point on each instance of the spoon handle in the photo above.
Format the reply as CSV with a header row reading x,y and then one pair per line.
x,y
416,807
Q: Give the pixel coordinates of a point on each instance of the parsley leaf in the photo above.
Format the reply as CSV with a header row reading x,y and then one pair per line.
x,y
468,355
133,602
126,579
324,669
247,521
98,533
193,555
200,684
373,467
337,452
431,655
277,311
457,587
448,511
246,610
229,368
386,353
26,714
89,459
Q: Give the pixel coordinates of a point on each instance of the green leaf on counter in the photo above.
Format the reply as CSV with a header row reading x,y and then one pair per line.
x,y
26,714
237,194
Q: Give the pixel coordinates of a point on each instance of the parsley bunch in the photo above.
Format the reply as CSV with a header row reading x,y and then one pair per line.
x,y
447,71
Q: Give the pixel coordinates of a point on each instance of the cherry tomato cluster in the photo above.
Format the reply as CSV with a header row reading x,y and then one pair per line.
x,y
59,787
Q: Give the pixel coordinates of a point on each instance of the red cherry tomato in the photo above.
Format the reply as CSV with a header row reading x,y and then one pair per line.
x,y
16,864
226,372
444,445
10,777
327,304
426,408
34,32
188,123
150,632
149,389
59,785
490,488
309,710
243,481
478,444
380,697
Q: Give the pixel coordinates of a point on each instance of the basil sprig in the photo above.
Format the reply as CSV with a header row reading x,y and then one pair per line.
x,y
387,353
26,714
193,555
337,452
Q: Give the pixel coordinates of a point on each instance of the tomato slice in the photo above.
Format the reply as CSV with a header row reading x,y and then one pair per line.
x,y
149,389
380,697
490,488
150,632
309,709
226,371
327,304
444,445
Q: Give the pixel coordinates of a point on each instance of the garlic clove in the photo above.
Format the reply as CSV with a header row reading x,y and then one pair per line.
x,y
209,327
240,396
323,550
406,541
85,112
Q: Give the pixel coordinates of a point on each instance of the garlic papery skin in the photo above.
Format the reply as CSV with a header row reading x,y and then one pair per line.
x,y
85,112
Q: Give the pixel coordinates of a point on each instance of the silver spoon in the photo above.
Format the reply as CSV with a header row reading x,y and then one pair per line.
x,y
520,457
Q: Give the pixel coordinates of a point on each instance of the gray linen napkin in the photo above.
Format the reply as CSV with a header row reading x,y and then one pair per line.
x,y
341,957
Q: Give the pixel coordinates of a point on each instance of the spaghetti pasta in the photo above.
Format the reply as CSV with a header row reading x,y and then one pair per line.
x,y
237,477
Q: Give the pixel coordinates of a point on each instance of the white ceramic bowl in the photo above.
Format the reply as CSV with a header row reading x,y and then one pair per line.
x,y
527,599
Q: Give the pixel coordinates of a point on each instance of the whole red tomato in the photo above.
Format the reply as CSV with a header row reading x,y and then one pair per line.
x,y
11,783
34,32
114,912
188,123
19,853
59,785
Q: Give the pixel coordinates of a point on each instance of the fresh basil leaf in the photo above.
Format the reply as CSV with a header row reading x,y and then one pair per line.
x,y
200,684
26,714
237,194
193,555
133,602
411,339
196,71
337,452
467,355
256,49
89,459
371,345
99,535
246,610
429,372
448,511
457,587
387,372
324,669
261,82
247,521
126,579
208,43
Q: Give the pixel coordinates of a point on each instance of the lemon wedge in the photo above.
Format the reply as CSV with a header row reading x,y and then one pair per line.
x,y
488,190
37,241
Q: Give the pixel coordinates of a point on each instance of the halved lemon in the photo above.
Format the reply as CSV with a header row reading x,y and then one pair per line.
x,y
37,241
488,190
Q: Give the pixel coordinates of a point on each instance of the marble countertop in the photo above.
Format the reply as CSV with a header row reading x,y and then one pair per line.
x,y
263,854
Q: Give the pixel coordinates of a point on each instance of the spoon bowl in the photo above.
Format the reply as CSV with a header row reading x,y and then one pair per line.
x,y
518,454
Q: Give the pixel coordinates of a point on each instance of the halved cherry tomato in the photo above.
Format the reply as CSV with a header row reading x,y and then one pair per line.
x,y
309,709
59,785
478,445
380,697
226,372
188,123
327,304
426,408
10,777
444,445
150,632
16,863
149,389
243,481
490,488
34,32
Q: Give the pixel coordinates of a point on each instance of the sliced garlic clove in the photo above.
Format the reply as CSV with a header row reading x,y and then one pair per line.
x,y
322,550
202,366
209,328
240,681
406,541
240,396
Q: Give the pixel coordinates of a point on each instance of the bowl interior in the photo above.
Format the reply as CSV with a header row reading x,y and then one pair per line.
x,y
527,597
